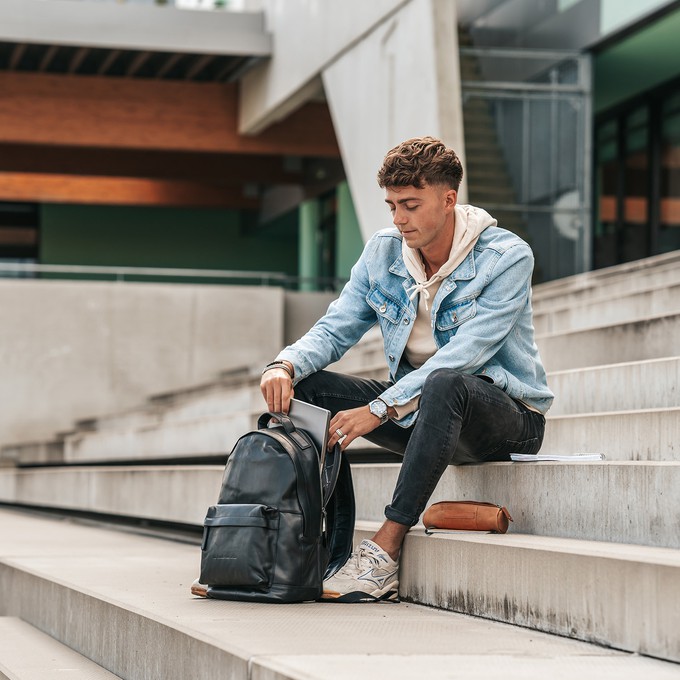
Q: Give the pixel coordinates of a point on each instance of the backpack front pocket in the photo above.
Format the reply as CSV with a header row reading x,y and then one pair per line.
x,y
239,545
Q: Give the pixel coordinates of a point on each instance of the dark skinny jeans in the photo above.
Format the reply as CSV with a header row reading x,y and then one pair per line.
x,y
463,419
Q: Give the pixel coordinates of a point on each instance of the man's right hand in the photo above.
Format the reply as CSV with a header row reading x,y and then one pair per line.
x,y
277,389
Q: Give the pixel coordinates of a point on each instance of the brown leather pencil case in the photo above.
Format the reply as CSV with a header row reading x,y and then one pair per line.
x,y
467,516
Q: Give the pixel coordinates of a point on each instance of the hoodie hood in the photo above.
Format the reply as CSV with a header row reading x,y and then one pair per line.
x,y
470,223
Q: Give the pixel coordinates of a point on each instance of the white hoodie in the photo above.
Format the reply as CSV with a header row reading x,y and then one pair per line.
x,y
470,222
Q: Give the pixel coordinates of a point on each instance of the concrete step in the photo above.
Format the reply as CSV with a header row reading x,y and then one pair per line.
x,y
122,600
205,436
621,502
210,436
488,174
476,105
488,166
210,399
651,337
650,434
200,421
29,654
609,287
658,270
176,494
608,310
627,386
625,502
39,453
614,594
206,422
481,194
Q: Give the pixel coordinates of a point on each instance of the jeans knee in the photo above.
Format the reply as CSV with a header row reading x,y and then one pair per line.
x,y
443,381
308,388
444,389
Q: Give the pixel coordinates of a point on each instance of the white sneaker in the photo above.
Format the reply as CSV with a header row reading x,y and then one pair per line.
x,y
370,575
199,589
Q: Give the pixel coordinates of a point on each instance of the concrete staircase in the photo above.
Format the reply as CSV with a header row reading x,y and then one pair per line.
x,y
29,654
488,178
593,553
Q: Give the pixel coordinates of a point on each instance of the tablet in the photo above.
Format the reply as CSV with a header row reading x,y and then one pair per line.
x,y
313,419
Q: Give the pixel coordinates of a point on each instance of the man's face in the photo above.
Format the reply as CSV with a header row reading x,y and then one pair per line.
x,y
423,216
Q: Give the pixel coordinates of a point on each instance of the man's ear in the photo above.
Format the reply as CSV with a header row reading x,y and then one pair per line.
x,y
450,199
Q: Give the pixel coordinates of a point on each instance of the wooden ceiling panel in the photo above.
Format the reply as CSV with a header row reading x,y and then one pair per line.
x,y
224,169
50,188
108,113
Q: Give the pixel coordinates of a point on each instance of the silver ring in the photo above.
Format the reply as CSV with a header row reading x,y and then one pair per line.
x,y
340,434
342,439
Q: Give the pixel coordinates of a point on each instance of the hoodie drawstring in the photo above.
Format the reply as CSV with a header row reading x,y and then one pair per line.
x,y
421,287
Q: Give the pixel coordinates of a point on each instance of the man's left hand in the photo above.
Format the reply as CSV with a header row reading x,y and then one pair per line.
x,y
355,422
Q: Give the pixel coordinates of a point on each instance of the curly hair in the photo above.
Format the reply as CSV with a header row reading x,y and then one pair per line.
x,y
420,161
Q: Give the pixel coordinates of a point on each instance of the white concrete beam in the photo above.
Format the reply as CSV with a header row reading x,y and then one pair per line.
x,y
401,81
307,36
133,27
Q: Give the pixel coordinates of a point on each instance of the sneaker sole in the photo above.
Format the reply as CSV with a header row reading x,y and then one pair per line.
x,y
199,592
359,596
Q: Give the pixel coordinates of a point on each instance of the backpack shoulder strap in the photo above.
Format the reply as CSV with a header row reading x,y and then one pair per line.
x,y
340,514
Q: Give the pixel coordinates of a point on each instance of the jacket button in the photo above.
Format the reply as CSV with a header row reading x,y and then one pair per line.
x,y
455,318
406,321
391,357
383,308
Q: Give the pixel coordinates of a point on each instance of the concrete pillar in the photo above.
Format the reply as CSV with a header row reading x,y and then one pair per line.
x,y
349,240
401,80
308,257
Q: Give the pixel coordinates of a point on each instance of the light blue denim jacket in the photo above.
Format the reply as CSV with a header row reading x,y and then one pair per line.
x,y
481,316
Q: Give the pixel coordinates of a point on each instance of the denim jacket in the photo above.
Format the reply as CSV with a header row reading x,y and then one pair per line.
x,y
481,318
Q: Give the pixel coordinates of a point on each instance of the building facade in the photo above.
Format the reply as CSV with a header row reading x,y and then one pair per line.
x,y
247,138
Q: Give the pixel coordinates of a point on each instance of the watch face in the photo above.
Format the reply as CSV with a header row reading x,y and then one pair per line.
x,y
378,408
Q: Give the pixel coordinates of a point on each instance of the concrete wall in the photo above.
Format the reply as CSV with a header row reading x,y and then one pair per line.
x,y
302,311
307,35
389,70
74,350
402,80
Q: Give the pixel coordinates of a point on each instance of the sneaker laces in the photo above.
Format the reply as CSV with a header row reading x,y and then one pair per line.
x,y
353,567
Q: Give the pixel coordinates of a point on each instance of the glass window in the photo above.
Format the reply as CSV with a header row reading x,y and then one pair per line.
x,y
19,236
634,242
607,177
669,227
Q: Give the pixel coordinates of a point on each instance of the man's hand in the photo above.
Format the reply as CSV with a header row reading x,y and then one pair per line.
x,y
277,389
352,424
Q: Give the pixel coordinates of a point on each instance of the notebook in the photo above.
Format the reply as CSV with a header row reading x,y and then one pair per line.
x,y
573,458
313,419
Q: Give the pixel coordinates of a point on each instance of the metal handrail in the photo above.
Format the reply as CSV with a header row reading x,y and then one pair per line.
x,y
521,52
264,278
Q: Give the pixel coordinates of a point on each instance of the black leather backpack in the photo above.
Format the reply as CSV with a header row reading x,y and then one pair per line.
x,y
284,520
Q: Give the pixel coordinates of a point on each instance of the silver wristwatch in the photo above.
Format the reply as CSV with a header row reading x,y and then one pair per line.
x,y
379,408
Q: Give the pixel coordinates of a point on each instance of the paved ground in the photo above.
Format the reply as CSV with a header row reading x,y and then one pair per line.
x,y
92,577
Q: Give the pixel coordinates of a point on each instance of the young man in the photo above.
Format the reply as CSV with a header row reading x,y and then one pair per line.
x,y
452,294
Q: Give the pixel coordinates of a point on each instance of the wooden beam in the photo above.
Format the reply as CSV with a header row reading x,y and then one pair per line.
x,y
222,169
46,60
77,59
17,55
137,63
46,188
121,113
108,62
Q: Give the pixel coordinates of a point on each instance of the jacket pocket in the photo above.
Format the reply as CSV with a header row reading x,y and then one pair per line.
x,y
239,545
385,306
456,313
